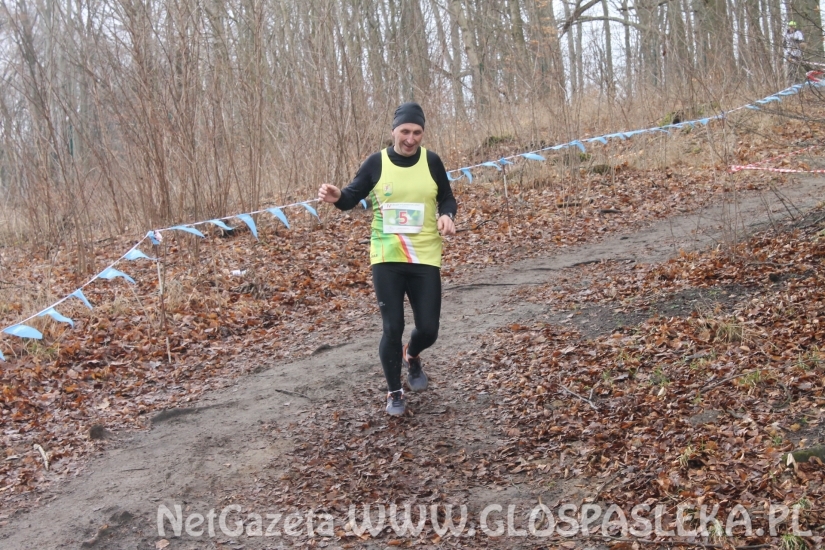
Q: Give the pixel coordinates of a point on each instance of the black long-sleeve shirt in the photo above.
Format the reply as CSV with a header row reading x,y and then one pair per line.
x,y
370,172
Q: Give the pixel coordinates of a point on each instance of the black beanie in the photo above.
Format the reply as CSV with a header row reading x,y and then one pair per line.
x,y
408,112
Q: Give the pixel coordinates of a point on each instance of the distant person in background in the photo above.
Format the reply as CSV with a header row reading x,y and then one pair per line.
x,y
793,42
413,206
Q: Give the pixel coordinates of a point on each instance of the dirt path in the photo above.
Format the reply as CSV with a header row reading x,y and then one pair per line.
x,y
204,457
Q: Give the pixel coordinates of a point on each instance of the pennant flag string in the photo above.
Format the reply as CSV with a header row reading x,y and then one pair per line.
x,y
533,156
136,254
80,296
53,313
603,139
24,331
280,215
189,227
250,223
155,236
221,224
311,210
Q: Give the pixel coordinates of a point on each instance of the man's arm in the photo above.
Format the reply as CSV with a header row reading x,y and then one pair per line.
x,y
447,206
444,197
359,188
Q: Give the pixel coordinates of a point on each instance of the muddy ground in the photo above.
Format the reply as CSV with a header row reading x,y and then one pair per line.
x,y
233,445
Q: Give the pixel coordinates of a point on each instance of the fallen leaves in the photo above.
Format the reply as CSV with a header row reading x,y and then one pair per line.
x,y
695,402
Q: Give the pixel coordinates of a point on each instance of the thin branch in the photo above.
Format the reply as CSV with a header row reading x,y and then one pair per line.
x,y
296,394
575,15
719,383
632,24
571,392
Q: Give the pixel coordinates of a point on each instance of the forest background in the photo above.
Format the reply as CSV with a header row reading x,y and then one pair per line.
x,y
123,116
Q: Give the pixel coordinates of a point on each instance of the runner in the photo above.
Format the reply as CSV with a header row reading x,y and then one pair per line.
x,y
413,206
793,42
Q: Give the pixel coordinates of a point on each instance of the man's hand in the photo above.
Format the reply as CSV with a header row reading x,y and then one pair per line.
x,y
446,225
329,193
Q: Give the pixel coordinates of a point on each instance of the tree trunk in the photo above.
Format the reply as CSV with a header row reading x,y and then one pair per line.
x,y
572,61
476,70
628,50
608,49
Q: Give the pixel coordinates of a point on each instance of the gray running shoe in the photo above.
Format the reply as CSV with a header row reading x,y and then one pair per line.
x,y
396,404
416,379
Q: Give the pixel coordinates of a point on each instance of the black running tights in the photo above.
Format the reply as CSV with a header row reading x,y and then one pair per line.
x,y
422,285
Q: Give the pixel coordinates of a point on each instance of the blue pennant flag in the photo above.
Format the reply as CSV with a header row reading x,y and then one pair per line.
x,y
136,254
1,356
449,177
311,210
188,229
221,224
53,313
278,213
600,139
79,295
578,144
504,161
467,173
112,273
24,331
532,156
754,107
492,165
154,236
247,219
363,203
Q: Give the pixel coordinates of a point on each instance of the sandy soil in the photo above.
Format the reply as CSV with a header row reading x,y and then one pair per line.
x,y
206,456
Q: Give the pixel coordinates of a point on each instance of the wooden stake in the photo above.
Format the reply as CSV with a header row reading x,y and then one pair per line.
x,y
162,294
507,203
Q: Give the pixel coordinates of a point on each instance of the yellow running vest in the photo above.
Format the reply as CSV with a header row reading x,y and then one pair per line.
x,y
404,222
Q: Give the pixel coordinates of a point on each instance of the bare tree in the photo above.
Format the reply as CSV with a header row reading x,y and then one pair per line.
x,y
120,114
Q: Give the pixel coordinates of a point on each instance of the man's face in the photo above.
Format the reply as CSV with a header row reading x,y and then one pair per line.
x,y
406,138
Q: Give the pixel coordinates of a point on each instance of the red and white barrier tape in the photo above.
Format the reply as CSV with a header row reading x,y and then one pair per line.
x,y
758,165
815,76
734,169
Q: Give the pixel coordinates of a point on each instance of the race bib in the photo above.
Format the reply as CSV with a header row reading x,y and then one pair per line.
x,y
403,217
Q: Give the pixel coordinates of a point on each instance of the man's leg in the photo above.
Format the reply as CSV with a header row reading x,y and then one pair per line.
x,y
424,292
389,285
